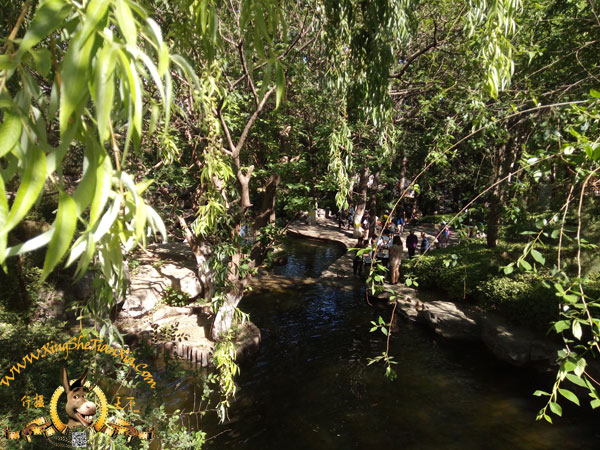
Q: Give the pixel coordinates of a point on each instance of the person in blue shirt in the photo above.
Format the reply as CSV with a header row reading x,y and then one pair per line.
x,y
424,243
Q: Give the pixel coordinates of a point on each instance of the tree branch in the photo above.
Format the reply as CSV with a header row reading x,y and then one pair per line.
x,y
247,74
261,105
420,52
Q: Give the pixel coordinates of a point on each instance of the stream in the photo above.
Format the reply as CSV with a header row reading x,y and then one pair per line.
x,y
310,387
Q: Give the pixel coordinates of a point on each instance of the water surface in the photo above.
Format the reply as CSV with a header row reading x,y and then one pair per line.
x,y
310,387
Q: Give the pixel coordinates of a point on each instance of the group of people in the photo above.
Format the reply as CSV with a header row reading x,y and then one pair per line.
x,y
406,216
388,250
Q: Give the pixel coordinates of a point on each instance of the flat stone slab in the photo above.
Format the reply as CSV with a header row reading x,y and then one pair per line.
x,y
516,346
449,321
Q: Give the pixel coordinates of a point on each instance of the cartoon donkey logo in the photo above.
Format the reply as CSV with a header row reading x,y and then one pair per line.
x,y
80,410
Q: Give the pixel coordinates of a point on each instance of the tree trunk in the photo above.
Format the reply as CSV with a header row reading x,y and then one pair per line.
x,y
226,314
245,185
359,210
403,165
373,205
502,163
201,251
266,213
493,219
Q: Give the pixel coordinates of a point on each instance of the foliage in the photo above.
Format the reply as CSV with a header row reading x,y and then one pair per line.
x,y
174,297
525,299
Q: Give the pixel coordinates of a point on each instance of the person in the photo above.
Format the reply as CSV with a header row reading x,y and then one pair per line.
x,y
444,235
383,246
424,243
411,243
368,256
400,221
408,212
351,216
357,262
395,259
385,216
365,226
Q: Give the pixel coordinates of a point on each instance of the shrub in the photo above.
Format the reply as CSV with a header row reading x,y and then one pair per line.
x,y
456,270
524,299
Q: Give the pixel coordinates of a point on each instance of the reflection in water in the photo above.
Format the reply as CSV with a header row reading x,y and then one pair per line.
x,y
310,386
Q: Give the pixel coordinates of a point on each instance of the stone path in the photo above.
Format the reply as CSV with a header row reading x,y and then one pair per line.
x,y
515,345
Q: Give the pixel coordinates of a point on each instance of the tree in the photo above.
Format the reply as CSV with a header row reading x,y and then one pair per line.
x,y
77,85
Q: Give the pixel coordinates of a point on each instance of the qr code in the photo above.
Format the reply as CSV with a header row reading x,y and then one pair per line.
x,y
79,439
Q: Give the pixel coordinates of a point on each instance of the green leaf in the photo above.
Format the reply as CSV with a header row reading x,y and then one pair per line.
x,y
3,218
188,71
7,62
540,393
74,89
136,93
65,224
524,265
29,189
568,365
594,93
140,210
104,89
577,331
260,21
84,193
151,68
48,17
31,245
10,132
569,396
156,222
595,403
126,21
43,60
576,380
538,256
581,364
103,186
555,408
561,326
155,111
162,49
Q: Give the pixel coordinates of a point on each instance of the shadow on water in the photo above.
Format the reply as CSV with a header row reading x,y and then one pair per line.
x,y
310,386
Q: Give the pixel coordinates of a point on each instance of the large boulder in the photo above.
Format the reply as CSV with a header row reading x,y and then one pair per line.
x,y
150,281
449,321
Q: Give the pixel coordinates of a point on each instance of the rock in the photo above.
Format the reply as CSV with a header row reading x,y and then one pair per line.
x,y
447,320
409,308
516,346
145,292
182,279
182,331
149,284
